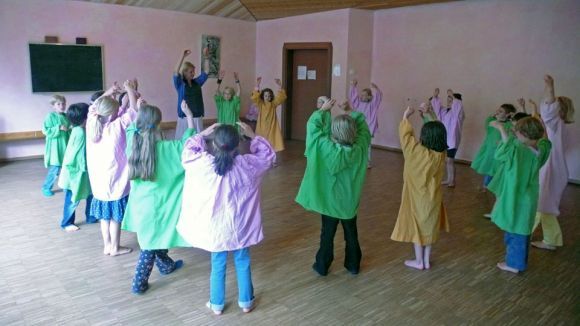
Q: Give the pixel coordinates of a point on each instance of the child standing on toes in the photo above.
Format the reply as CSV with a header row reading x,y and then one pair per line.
x,y
484,162
228,102
107,164
422,213
74,178
368,104
267,125
222,213
336,165
156,185
555,112
56,130
515,185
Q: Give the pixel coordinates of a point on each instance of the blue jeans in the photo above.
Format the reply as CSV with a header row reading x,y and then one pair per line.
x,y
487,179
51,176
517,247
217,279
144,266
68,212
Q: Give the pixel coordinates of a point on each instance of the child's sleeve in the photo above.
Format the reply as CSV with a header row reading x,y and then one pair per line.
x,y
544,148
280,98
407,137
318,126
505,151
550,114
218,101
50,127
177,81
237,102
377,98
363,134
193,149
72,151
262,155
353,96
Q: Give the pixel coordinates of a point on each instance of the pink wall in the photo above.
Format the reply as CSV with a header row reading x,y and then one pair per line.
x,y
491,51
320,27
138,42
360,47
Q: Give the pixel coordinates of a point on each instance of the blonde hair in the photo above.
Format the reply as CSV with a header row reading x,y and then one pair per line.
x,y
142,157
186,65
530,127
56,98
343,129
104,107
566,109
230,89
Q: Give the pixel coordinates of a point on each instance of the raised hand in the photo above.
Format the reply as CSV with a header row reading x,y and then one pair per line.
x,y
408,112
436,92
278,82
186,53
521,102
141,102
549,80
210,130
186,110
221,74
258,81
246,130
373,85
496,124
450,92
206,52
236,77
328,104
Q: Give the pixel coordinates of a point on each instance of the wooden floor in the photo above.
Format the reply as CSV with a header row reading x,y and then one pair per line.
x,y
50,277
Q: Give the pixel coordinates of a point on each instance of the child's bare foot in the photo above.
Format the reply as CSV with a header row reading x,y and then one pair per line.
x,y
451,185
414,264
543,245
120,251
444,183
71,228
504,267
487,215
427,265
249,309
107,250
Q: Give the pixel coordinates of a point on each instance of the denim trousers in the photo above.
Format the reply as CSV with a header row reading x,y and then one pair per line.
x,y
517,248
325,254
51,176
68,213
144,267
218,278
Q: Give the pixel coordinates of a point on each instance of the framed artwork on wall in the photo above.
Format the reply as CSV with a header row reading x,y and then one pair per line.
x,y
213,44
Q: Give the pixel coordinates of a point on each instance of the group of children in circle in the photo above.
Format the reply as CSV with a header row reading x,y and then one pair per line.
x,y
201,190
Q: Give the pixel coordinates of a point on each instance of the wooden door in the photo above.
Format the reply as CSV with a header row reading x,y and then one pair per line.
x,y
304,89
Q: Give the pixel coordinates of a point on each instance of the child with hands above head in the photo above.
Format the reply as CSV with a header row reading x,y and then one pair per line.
x,y
267,125
422,214
555,112
368,104
452,117
515,185
188,88
222,212
228,102
56,129
484,162
107,163
154,206
336,165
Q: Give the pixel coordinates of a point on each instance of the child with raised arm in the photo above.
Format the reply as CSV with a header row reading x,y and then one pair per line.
x,y
74,179
156,186
228,102
222,214
188,88
107,164
56,131
368,104
555,112
484,162
515,185
422,214
336,164
267,125
452,118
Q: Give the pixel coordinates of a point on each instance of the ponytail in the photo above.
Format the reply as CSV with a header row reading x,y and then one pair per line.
x,y
143,150
225,144
104,107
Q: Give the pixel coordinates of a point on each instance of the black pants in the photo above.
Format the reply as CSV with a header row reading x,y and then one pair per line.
x,y
325,254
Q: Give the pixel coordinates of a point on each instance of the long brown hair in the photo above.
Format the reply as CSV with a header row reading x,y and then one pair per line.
x,y
142,157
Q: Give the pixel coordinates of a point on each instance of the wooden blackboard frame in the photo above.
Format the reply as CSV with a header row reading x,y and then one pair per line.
x,y
44,77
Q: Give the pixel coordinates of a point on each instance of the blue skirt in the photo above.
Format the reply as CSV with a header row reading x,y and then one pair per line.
x,y
107,210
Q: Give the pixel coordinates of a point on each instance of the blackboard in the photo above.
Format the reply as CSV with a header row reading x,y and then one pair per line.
x,y
66,68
